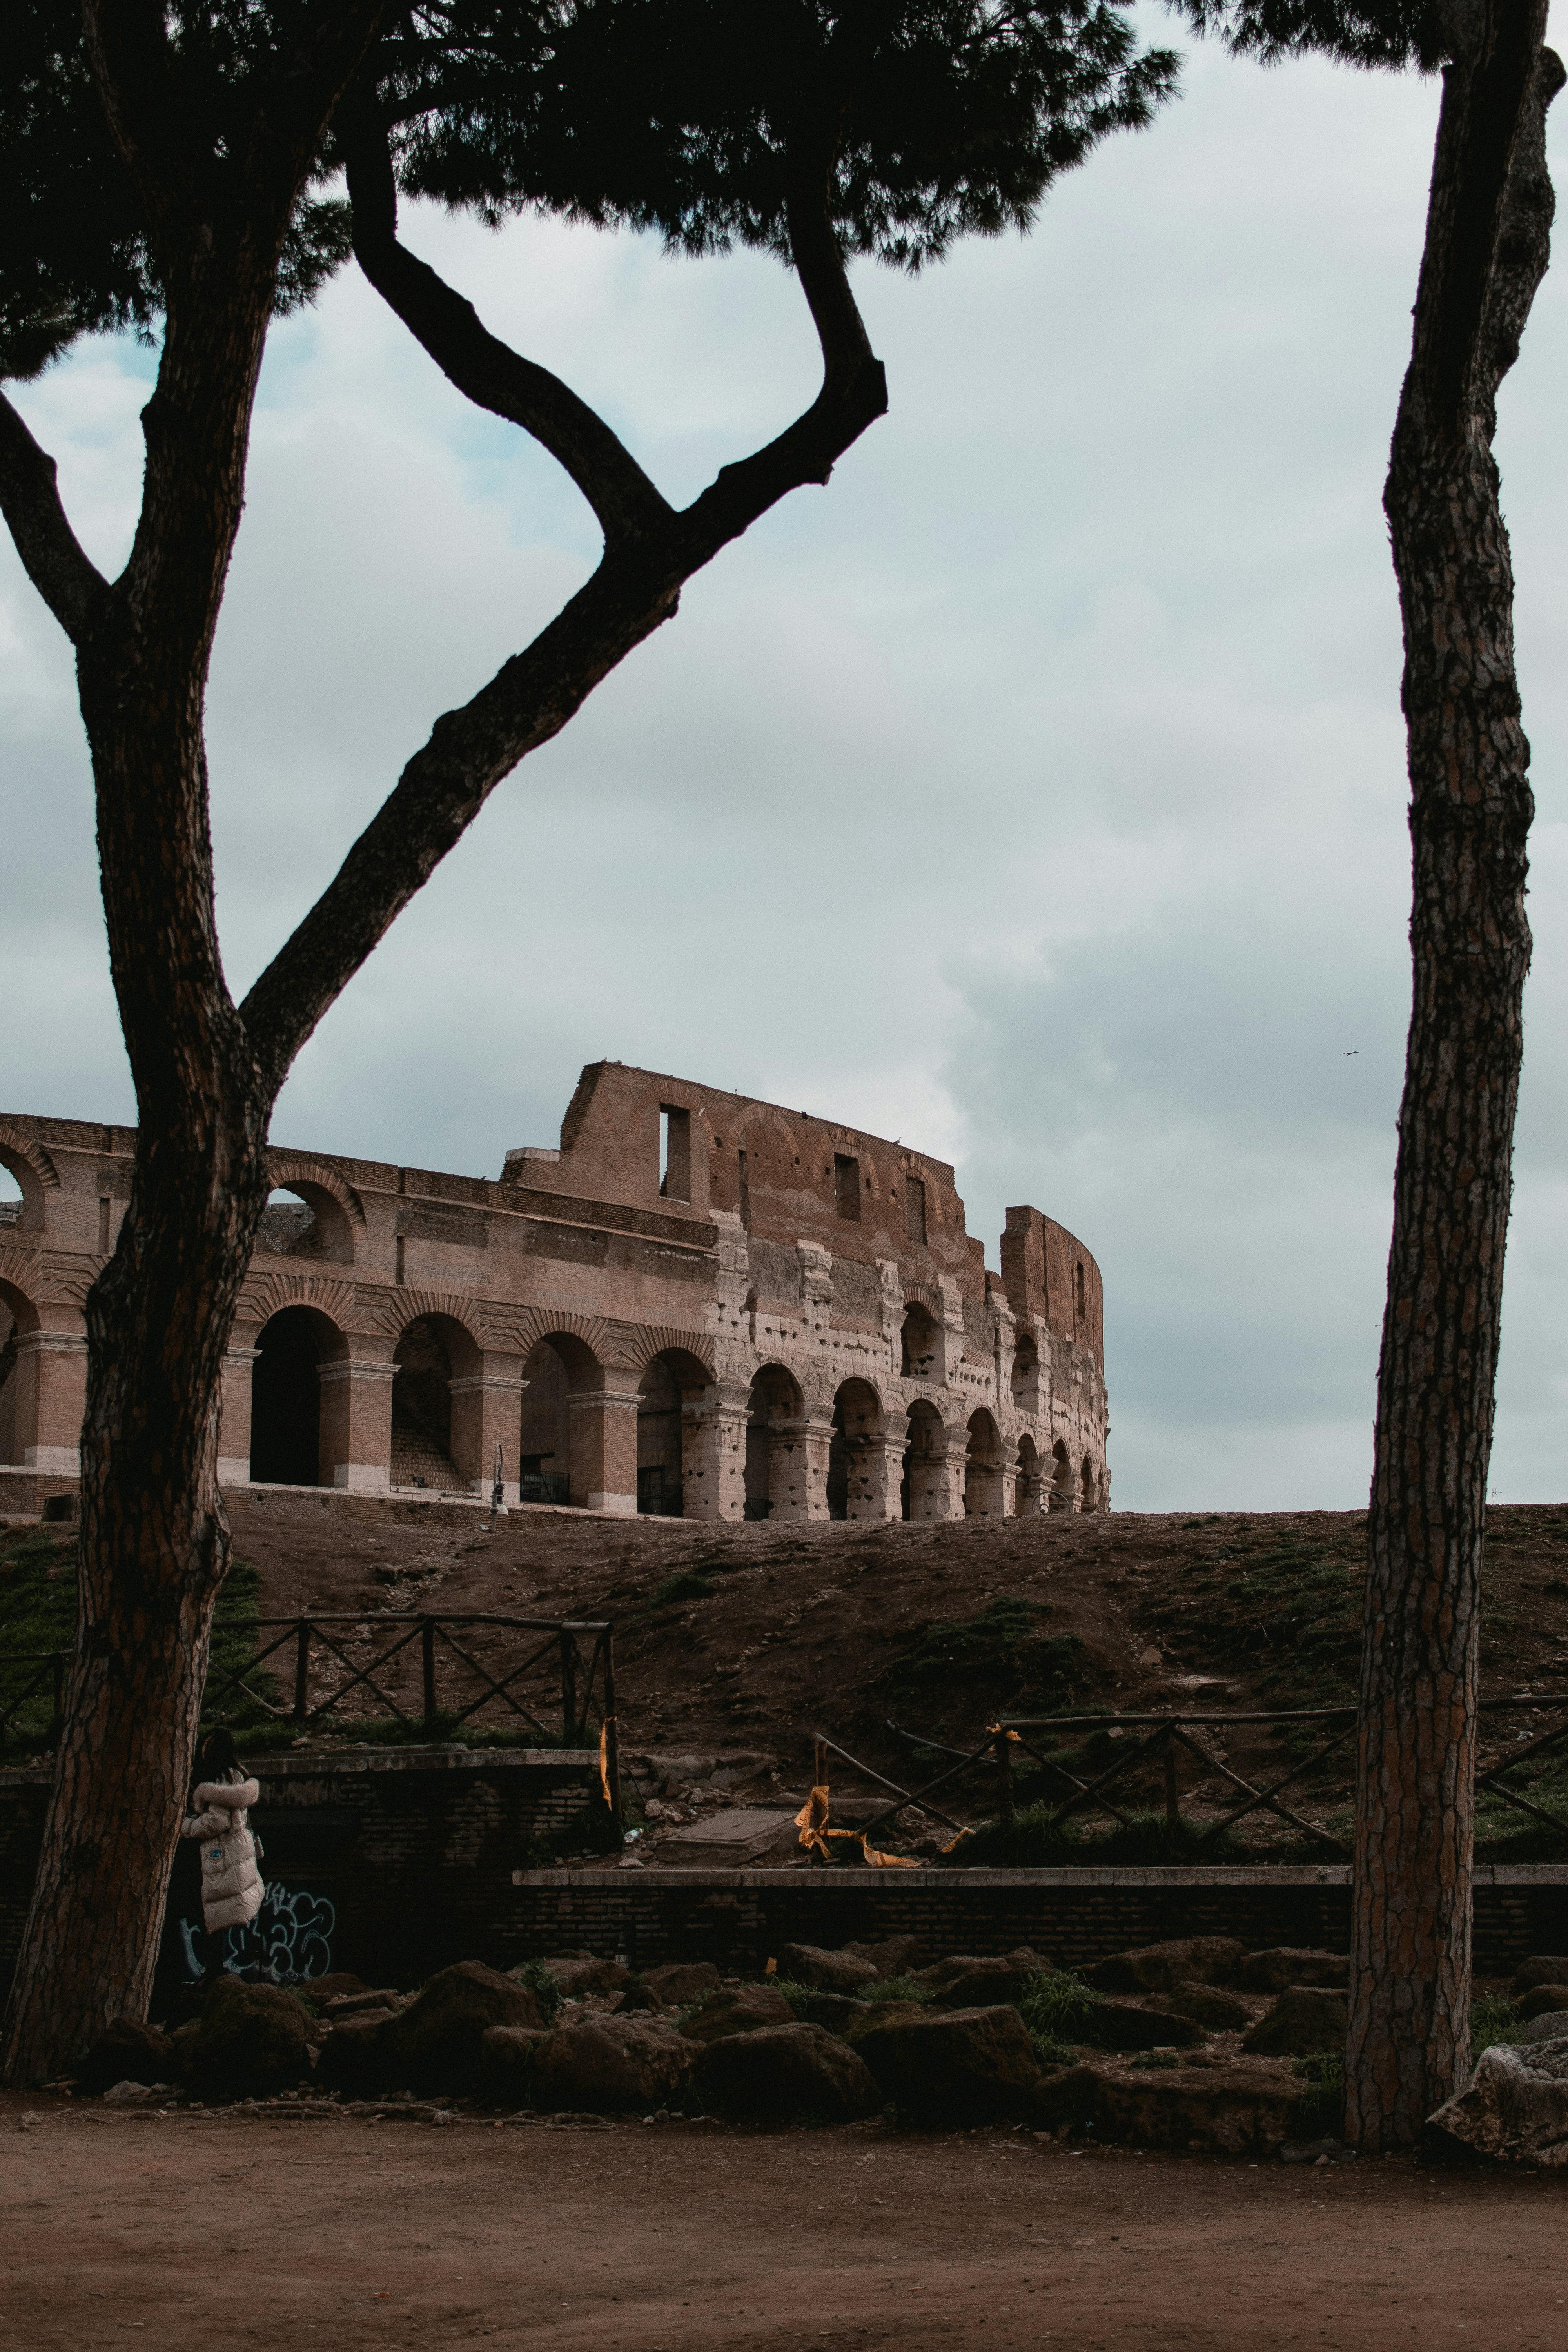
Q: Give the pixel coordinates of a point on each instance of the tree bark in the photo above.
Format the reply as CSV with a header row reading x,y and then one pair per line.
x,y
1487,248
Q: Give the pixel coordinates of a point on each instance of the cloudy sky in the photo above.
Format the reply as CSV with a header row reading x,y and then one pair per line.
x,y
1035,792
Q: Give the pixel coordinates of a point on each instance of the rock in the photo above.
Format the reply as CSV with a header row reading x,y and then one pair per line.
x,y
782,2071
580,1973
352,2059
1216,2013
638,1996
1544,1968
128,2095
358,2004
340,1984
883,2013
828,1971
679,1982
836,2012
1223,2111
983,1981
1128,2025
606,2064
1316,2151
433,2045
1305,2018
740,1838
126,2049
953,2065
1540,1998
1549,2026
894,1955
507,2054
743,2009
252,2040
1160,1967
1514,2109
1292,1964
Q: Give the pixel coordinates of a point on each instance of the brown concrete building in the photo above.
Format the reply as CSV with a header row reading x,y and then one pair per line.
x,y
698,1305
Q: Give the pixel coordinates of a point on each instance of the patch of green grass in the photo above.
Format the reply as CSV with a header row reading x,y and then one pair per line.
x,y
539,1982
1058,2008
895,1988
1321,2109
1493,2018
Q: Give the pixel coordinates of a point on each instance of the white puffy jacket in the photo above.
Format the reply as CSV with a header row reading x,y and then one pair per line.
x,y
231,1883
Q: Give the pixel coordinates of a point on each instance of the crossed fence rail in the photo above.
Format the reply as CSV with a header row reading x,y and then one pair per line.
x,y
321,1665
1166,1740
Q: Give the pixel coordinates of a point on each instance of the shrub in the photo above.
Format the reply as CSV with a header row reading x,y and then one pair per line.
x,y
1493,2018
1058,2009
545,1988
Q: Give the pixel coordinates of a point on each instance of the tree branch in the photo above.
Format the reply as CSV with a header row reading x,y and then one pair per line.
x,y
487,370
70,585
634,589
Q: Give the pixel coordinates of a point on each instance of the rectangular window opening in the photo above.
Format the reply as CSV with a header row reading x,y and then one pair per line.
x,y
398,1276
103,1224
847,1187
674,1153
745,1192
1079,1291
914,1208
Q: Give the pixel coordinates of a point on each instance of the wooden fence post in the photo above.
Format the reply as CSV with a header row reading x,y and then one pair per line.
x,y
428,1664
303,1671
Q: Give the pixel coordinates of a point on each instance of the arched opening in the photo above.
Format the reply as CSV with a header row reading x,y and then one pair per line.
x,y
919,1344
286,1398
303,1220
1028,1486
983,1468
1061,1477
10,1199
554,1368
1026,1370
925,1464
21,1194
18,1400
774,1403
673,1382
856,1420
432,1352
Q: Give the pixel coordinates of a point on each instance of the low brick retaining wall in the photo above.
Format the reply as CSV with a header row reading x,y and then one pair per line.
x,y
389,1861
741,1917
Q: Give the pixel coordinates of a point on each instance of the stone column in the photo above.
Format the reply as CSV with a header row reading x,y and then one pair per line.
x,y
487,1411
714,1455
50,1380
357,1419
797,1467
877,1473
233,1420
602,1422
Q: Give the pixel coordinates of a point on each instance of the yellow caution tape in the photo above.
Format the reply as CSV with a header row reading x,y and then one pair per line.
x,y
812,1821
957,1841
605,1759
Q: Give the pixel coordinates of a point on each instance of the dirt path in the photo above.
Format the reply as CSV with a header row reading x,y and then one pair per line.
x,y
206,2232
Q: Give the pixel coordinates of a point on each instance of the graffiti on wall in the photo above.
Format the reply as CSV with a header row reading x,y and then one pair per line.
x,y
289,1941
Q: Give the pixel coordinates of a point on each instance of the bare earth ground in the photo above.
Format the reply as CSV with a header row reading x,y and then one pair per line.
x,y
822,1626
207,2233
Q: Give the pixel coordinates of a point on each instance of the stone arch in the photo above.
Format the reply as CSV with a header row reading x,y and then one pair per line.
x,y
289,1172
776,1408
674,1380
858,1420
18,1410
306,1219
921,1342
286,1433
1025,1367
982,1485
433,1350
36,1176
922,1492
559,1363
642,1342
1061,1477
1029,1498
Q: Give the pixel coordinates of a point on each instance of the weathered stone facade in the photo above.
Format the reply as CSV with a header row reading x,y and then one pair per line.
x,y
699,1304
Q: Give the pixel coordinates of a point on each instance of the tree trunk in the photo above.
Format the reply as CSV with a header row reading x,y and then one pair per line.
x,y
1487,226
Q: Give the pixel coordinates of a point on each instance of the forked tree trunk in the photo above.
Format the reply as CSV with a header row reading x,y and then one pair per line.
x,y
1487,245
